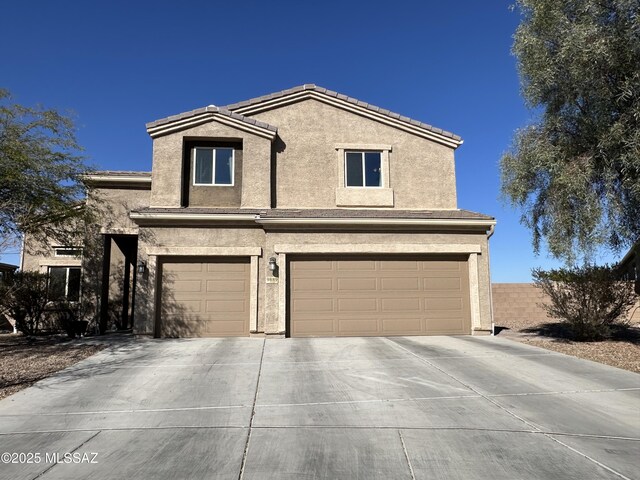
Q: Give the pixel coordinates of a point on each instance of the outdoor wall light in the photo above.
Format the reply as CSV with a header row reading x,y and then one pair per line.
x,y
142,267
272,264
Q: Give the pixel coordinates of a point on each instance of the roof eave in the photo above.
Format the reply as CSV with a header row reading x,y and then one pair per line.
x,y
164,217
371,221
201,116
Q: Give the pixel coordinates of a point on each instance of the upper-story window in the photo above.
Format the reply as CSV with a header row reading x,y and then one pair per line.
x,y
213,166
68,251
363,169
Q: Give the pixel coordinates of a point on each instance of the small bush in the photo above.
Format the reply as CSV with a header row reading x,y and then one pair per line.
x,y
23,297
590,299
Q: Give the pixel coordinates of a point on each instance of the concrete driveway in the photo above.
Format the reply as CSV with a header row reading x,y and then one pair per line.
x,y
369,408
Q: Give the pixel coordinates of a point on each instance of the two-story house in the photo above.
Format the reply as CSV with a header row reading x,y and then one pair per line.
x,y
300,213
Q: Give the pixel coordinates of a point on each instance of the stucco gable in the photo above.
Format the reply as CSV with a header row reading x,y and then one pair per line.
x,y
353,105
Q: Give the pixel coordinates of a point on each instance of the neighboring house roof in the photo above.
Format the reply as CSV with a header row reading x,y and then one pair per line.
x,y
206,114
7,267
241,112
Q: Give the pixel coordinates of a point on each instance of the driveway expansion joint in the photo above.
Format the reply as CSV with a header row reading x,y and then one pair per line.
x,y
406,455
506,410
48,469
253,414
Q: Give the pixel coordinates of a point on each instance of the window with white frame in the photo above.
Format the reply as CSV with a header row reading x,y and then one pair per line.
x,y
213,166
363,169
64,283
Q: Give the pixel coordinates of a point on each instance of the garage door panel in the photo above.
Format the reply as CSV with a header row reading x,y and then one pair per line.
x,y
402,326
313,305
400,283
223,327
357,284
444,304
230,267
383,295
312,284
315,265
445,283
360,327
355,265
205,297
192,306
225,306
229,286
186,286
348,305
443,324
399,265
401,305
315,327
440,265
183,267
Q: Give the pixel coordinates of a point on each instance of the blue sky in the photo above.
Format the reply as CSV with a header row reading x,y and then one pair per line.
x,y
118,65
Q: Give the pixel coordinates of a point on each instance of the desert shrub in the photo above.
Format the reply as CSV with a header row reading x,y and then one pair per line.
x,y
589,299
23,297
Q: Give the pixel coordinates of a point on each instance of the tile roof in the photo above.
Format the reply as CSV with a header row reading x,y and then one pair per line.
x,y
229,111
331,93
120,173
212,109
200,211
368,213
277,213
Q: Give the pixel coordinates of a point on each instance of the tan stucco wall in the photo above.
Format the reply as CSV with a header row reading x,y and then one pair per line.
x,y
39,260
195,238
167,165
421,172
271,318
113,206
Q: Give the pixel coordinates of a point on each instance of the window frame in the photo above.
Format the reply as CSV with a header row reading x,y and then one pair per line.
x,y
68,269
364,176
57,250
213,167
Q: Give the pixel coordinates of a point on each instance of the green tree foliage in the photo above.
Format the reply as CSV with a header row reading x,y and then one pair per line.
x,y
24,297
40,169
589,299
575,172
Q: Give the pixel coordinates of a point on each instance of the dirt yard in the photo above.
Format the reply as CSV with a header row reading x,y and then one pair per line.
x,y
622,350
23,362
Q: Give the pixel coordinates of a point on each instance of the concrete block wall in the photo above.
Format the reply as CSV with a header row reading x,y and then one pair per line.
x,y
512,301
517,300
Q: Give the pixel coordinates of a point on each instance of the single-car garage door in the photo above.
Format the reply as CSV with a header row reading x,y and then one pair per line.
x,y
378,296
204,297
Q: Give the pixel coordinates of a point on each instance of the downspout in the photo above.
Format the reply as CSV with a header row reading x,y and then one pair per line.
x,y
492,229
24,239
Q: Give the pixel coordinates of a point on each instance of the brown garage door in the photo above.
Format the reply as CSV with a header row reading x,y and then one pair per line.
x,y
205,297
367,296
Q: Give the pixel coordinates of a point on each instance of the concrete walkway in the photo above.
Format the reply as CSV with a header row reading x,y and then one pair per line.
x,y
368,408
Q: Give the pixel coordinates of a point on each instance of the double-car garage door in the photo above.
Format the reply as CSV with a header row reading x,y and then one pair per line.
x,y
379,296
327,296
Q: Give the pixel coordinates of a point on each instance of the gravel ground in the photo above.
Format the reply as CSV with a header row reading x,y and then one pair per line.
x,y
23,362
622,351
619,354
